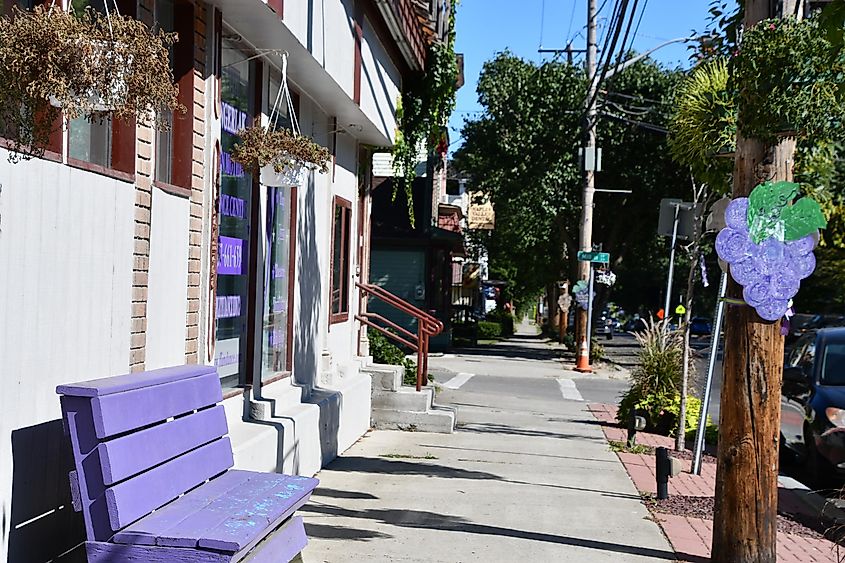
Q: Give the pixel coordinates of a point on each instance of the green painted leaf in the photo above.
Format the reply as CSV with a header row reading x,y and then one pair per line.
x,y
765,205
802,218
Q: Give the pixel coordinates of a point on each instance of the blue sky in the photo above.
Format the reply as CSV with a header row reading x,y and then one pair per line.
x,y
486,27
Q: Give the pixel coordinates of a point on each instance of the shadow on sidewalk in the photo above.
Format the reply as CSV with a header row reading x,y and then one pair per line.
x,y
446,523
393,467
326,532
494,428
521,454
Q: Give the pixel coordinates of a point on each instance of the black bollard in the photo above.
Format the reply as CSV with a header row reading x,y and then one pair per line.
x,y
632,428
663,466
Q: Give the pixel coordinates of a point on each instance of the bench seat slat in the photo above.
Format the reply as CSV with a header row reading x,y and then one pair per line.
x,y
147,529
245,526
130,500
240,515
130,381
131,454
117,413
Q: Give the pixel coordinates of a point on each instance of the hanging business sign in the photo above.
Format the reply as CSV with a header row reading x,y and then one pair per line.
x,y
481,216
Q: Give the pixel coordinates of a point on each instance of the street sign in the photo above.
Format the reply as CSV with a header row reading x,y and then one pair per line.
x,y
686,218
680,310
596,257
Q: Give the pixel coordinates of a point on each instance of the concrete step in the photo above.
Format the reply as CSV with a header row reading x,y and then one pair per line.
x,y
438,419
385,377
404,399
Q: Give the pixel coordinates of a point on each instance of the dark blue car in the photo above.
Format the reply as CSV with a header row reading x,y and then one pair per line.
x,y
813,404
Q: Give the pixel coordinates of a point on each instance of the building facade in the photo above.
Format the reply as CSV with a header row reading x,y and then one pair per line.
x,y
127,249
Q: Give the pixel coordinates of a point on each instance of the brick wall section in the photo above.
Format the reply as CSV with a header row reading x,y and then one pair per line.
x,y
197,186
143,213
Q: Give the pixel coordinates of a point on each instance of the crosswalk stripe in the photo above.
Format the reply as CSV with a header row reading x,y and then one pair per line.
x,y
457,381
568,389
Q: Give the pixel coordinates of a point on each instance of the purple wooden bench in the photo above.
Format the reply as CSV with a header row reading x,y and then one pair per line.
x,y
154,480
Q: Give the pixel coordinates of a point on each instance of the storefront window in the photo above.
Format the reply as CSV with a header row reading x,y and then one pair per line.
x,y
277,279
234,218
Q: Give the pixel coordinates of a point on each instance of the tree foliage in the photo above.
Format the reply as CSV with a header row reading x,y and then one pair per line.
x,y
522,153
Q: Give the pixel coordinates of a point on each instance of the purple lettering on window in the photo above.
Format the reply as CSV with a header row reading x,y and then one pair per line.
x,y
278,272
228,306
232,206
230,256
232,119
228,167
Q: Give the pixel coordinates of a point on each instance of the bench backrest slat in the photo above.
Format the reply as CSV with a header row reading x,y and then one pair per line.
x,y
128,382
122,412
141,440
140,495
134,453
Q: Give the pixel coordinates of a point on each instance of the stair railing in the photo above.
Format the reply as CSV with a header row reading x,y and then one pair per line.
x,y
427,325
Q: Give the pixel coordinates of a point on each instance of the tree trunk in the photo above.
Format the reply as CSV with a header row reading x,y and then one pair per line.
x,y
745,518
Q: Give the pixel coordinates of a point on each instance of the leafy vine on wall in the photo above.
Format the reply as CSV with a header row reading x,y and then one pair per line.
x,y
426,103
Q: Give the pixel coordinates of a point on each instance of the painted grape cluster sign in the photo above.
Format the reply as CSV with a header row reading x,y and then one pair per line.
x,y
768,243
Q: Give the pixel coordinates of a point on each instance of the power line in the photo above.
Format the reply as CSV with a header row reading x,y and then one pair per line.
x,y
571,19
643,124
543,21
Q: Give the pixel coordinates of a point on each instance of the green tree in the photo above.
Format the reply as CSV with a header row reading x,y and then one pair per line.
x,y
522,153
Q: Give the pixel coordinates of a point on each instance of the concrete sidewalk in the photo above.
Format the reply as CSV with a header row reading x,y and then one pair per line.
x,y
523,479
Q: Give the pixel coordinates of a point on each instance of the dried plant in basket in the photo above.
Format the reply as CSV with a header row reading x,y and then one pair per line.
x,y
279,148
79,64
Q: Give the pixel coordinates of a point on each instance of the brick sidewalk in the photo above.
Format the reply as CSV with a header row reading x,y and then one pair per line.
x,y
691,537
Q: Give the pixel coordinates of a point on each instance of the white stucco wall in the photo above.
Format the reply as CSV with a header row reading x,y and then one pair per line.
x,y
66,242
380,83
167,294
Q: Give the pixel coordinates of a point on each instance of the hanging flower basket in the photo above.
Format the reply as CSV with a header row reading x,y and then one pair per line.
x,y
279,154
111,95
293,175
84,64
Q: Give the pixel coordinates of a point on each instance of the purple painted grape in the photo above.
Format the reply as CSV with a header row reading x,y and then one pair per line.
x,y
736,214
802,265
768,255
732,245
745,271
801,246
784,284
772,309
758,292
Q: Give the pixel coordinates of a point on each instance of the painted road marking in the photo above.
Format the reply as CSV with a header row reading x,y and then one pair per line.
x,y
569,391
457,381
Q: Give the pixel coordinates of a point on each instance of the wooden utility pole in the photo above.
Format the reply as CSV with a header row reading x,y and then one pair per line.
x,y
745,519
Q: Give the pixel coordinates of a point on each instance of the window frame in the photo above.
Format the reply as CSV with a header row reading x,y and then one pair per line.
x,y
346,257
182,130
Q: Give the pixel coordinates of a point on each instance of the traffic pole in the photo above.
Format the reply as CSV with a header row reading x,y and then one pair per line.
x,y
585,241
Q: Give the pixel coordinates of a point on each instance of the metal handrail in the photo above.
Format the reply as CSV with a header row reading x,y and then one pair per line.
x,y
427,325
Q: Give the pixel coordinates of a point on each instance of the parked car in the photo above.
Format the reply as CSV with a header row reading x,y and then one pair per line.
x,y
813,404
700,326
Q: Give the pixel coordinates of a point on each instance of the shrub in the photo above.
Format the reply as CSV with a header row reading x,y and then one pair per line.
x,y
656,382
488,330
596,351
384,352
505,319
569,341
